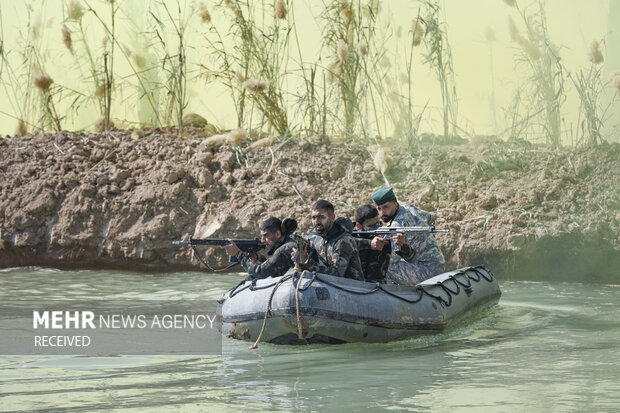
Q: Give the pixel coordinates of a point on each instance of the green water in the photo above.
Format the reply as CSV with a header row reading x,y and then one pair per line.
x,y
547,347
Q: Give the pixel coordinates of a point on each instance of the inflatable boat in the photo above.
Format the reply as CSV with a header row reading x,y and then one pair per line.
x,y
304,308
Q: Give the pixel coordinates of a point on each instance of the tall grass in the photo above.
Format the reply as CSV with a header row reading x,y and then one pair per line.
x,y
86,57
348,32
354,87
32,105
439,57
412,121
589,85
254,70
392,84
104,79
174,60
95,60
311,99
541,57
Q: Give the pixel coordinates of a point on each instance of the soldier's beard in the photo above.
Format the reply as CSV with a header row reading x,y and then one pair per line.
x,y
323,227
386,218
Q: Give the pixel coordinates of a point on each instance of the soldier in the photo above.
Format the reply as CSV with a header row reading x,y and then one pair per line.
x,y
335,247
375,254
429,261
280,245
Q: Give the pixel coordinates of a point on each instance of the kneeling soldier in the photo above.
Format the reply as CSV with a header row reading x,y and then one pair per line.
x,y
280,245
336,249
375,254
429,259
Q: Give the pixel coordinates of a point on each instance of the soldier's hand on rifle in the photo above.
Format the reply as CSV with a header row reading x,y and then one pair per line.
x,y
377,243
399,238
257,256
231,249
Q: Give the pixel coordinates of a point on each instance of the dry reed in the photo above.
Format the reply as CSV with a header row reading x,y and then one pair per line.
x,y
43,81
362,48
75,10
546,91
594,53
439,57
280,10
20,129
66,38
342,51
255,85
418,32
254,71
204,14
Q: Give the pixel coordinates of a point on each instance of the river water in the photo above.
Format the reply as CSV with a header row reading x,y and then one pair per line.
x,y
547,346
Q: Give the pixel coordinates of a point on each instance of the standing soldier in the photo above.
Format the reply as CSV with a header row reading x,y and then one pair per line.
x,y
429,260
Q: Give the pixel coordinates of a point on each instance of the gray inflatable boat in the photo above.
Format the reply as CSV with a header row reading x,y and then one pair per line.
x,y
303,308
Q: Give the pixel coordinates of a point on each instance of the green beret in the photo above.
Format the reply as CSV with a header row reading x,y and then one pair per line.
x,y
383,195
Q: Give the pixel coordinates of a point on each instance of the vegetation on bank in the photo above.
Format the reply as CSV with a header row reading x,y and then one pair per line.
x,y
350,89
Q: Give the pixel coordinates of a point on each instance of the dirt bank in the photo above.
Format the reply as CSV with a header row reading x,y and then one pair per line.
x,y
109,200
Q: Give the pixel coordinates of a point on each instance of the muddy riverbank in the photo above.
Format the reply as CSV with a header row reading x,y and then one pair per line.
x,y
118,199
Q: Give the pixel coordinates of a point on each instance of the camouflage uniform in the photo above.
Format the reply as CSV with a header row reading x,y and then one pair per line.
x,y
430,260
277,264
375,263
337,254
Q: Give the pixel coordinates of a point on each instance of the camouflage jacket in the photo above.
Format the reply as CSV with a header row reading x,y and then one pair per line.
x,y
337,254
375,263
277,264
429,260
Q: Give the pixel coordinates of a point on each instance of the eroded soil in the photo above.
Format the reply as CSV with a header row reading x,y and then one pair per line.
x,y
108,200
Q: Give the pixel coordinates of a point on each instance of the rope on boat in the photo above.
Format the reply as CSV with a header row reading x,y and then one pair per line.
x,y
277,284
415,300
444,302
300,333
252,287
203,262
466,286
481,274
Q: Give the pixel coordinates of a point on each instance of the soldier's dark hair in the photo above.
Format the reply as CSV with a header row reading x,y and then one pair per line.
x,y
323,204
271,224
289,225
365,212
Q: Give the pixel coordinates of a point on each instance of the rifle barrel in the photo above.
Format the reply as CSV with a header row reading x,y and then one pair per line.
x,y
396,230
241,243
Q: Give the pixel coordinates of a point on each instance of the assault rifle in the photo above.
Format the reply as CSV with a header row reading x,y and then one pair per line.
x,y
301,242
245,245
250,246
382,231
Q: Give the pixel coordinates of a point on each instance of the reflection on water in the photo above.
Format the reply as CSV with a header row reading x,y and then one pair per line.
x,y
547,347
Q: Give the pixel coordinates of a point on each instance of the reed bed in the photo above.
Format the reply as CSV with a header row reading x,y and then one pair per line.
x,y
589,85
439,57
354,88
545,92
